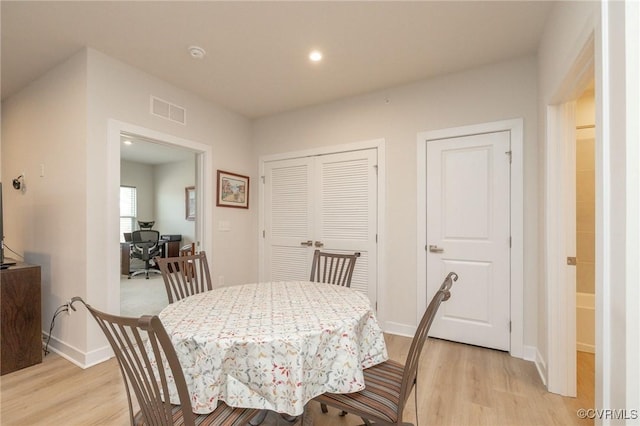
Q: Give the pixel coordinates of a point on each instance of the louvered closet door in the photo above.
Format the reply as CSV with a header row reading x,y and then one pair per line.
x,y
345,211
327,202
288,211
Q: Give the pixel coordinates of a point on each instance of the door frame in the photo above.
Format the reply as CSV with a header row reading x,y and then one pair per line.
x,y
560,232
204,197
379,145
516,199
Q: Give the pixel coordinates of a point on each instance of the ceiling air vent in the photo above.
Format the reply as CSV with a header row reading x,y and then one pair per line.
x,y
167,110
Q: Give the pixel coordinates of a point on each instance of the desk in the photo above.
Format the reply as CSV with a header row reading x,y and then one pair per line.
x,y
273,345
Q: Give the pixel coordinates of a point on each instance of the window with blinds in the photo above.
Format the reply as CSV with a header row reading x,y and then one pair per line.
x,y
128,210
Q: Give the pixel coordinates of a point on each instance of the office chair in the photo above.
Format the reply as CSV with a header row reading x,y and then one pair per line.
x,y
145,246
146,224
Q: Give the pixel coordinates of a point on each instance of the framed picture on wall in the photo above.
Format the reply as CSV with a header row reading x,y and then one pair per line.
x,y
190,202
233,190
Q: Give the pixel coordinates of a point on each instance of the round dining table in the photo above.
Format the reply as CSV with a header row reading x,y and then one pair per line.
x,y
273,345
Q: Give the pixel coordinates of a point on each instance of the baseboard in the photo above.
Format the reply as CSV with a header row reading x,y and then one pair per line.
x,y
74,355
399,329
541,366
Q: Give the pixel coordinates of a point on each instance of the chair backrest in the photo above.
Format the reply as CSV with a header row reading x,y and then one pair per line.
x,y
411,365
146,224
145,236
185,276
333,268
127,237
187,250
142,347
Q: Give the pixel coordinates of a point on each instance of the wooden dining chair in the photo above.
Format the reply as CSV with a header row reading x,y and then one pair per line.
x,y
188,250
137,344
333,268
389,384
185,276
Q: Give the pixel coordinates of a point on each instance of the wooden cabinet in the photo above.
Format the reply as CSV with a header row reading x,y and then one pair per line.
x,y
20,317
171,249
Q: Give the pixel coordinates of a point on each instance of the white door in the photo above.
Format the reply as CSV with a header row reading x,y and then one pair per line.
x,y
327,202
468,227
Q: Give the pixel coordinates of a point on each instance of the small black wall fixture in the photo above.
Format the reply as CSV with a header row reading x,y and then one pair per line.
x,y
18,182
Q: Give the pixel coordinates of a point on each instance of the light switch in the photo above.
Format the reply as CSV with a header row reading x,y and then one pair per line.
x,y
224,225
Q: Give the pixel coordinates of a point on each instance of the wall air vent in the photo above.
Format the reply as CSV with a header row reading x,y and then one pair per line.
x,y
167,110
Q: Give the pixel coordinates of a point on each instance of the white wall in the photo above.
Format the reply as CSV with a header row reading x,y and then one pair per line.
x,y
61,121
171,179
45,124
497,92
119,92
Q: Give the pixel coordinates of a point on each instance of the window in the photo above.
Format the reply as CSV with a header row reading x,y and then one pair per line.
x,y
128,210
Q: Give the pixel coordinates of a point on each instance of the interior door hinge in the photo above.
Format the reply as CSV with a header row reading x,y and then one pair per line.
x,y
264,233
510,241
376,238
509,326
510,154
375,166
263,179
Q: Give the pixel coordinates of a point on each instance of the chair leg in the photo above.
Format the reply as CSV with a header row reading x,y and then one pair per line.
x,y
323,408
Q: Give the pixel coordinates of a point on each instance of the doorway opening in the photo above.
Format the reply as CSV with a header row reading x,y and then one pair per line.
x,y
585,247
154,179
560,217
165,188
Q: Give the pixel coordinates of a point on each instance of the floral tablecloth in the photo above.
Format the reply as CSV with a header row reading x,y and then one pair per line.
x,y
273,345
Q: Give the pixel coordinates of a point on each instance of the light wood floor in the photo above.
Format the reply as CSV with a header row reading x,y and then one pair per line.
x,y
458,385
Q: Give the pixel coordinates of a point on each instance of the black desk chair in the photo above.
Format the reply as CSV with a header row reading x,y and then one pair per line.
x,y
145,246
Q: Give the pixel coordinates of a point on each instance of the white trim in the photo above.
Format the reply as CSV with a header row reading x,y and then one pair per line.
x,y
529,353
515,127
204,180
541,367
379,145
399,329
77,357
559,162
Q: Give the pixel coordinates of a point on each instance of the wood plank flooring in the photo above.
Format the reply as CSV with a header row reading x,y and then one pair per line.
x,y
458,385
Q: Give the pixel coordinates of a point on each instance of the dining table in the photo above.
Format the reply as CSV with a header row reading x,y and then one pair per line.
x,y
273,345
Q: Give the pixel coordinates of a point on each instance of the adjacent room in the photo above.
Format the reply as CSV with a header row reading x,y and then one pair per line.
x,y
291,203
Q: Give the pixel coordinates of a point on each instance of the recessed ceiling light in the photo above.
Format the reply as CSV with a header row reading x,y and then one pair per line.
x,y
315,56
196,52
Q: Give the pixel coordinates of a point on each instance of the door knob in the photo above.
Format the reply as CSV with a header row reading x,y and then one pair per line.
x,y
435,249
319,244
307,243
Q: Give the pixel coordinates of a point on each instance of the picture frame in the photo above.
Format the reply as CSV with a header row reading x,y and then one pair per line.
x,y
190,202
233,190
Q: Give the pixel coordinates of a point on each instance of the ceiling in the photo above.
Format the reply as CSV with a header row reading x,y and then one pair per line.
x,y
256,61
147,151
